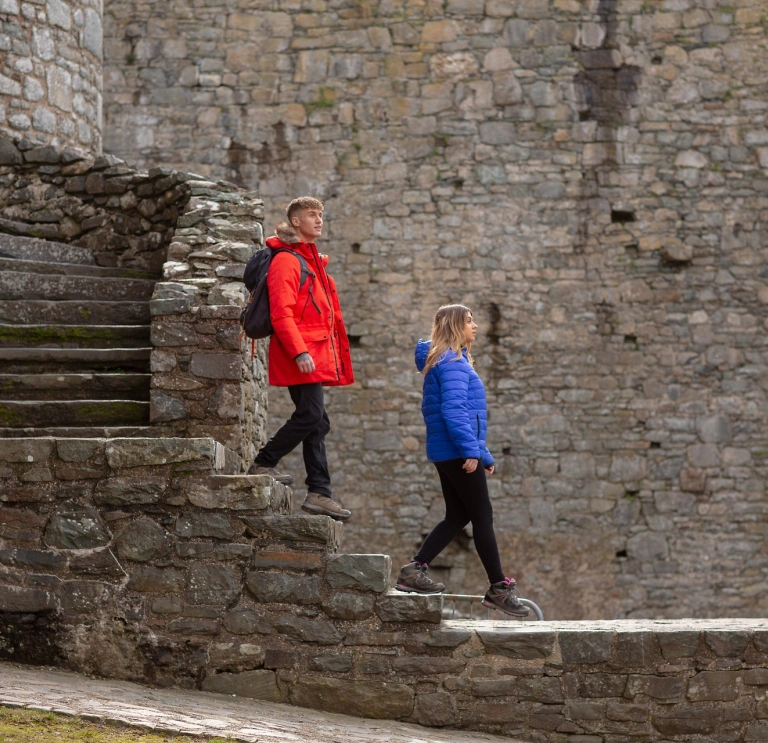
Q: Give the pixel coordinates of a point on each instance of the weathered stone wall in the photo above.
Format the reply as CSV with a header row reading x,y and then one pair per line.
x,y
589,177
124,216
206,379
51,71
138,559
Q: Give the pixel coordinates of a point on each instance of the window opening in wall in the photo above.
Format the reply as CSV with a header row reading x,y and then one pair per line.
x,y
585,115
657,59
632,250
655,445
506,450
630,339
622,216
355,247
621,553
354,341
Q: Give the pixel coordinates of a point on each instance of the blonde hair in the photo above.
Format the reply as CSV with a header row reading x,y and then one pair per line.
x,y
448,333
303,202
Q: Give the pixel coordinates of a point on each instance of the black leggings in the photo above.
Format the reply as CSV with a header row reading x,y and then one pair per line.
x,y
466,499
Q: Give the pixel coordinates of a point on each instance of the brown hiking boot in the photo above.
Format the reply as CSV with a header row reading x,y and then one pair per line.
x,y
413,578
257,469
502,596
322,505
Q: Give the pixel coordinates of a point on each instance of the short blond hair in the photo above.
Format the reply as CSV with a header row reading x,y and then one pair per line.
x,y
303,202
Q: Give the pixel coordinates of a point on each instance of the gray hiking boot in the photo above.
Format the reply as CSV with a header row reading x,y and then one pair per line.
x,y
502,596
257,469
413,578
324,506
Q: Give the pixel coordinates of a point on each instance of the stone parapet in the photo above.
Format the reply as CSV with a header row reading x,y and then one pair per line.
x,y
50,83
205,379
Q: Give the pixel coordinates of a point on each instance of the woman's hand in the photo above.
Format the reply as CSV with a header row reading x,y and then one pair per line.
x,y
490,470
470,465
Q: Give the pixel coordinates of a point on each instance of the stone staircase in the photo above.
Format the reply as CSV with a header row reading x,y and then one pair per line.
x,y
74,343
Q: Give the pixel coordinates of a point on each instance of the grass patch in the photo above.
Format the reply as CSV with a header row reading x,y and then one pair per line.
x,y
35,726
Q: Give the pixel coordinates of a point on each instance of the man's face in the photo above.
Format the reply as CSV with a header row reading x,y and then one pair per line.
x,y
308,223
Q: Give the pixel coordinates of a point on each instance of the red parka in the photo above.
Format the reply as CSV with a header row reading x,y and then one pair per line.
x,y
306,319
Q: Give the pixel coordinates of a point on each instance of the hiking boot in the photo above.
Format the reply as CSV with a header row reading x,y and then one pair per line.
x,y
324,506
413,578
502,596
257,469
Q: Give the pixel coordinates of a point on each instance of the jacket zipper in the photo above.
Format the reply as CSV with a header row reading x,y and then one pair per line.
x,y
321,270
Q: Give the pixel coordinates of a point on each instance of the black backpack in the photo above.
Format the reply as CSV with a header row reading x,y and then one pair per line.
x,y
255,319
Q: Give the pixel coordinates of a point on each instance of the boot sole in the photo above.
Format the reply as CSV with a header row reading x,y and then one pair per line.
x,y
408,589
317,511
490,605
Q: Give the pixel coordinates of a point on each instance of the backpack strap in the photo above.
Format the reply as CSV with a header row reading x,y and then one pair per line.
x,y
305,273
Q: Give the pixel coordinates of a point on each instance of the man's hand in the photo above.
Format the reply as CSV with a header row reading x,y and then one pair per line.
x,y
305,363
490,470
470,465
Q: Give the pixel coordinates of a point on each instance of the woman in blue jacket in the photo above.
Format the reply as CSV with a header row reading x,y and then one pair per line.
x,y
454,409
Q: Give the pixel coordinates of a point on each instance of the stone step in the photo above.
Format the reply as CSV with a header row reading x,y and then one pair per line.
x,y
85,432
73,269
74,336
320,532
33,413
77,312
75,386
25,360
18,285
34,249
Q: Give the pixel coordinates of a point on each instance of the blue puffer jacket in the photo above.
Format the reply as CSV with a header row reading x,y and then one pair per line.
x,y
454,408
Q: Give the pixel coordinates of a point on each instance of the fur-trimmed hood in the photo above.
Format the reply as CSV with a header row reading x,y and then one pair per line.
x,y
287,234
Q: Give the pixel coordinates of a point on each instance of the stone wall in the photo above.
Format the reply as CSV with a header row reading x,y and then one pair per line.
x,y
589,177
141,559
51,76
206,379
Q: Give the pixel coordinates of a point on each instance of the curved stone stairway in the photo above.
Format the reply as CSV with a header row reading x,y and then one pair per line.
x,y
74,343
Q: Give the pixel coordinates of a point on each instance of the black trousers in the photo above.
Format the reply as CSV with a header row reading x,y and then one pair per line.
x,y
466,499
308,426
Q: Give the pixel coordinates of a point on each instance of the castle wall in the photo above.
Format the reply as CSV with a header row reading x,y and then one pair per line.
x,y
590,179
51,71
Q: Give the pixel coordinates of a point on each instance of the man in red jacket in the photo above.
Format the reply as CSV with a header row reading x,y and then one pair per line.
x,y
309,349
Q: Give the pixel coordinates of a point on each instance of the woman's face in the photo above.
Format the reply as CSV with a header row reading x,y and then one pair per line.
x,y
470,330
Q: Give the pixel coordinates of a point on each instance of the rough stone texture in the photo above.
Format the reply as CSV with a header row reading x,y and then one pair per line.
x,y
360,571
51,79
607,161
365,698
251,684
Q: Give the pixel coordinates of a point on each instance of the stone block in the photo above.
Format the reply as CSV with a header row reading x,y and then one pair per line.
x,y
317,631
298,561
78,450
20,524
35,560
164,408
494,687
321,530
427,665
599,685
755,676
86,597
374,638
635,649
261,684
348,606
678,644
26,600
368,572
495,713
215,525
234,492
624,712
376,699
195,626
585,646
275,658
688,720
340,663
443,638
410,608
100,564
518,644
438,32
170,306
727,643
126,491
25,450
143,540
657,687
246,622
498,133
173,334
139,452
545,690
435,710
73,526
212,584
714,686
150,579
756,732
216,365
283,588
166,605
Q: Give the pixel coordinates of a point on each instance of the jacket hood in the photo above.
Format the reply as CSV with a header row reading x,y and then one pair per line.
x,y
287,237
422,350
287,233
